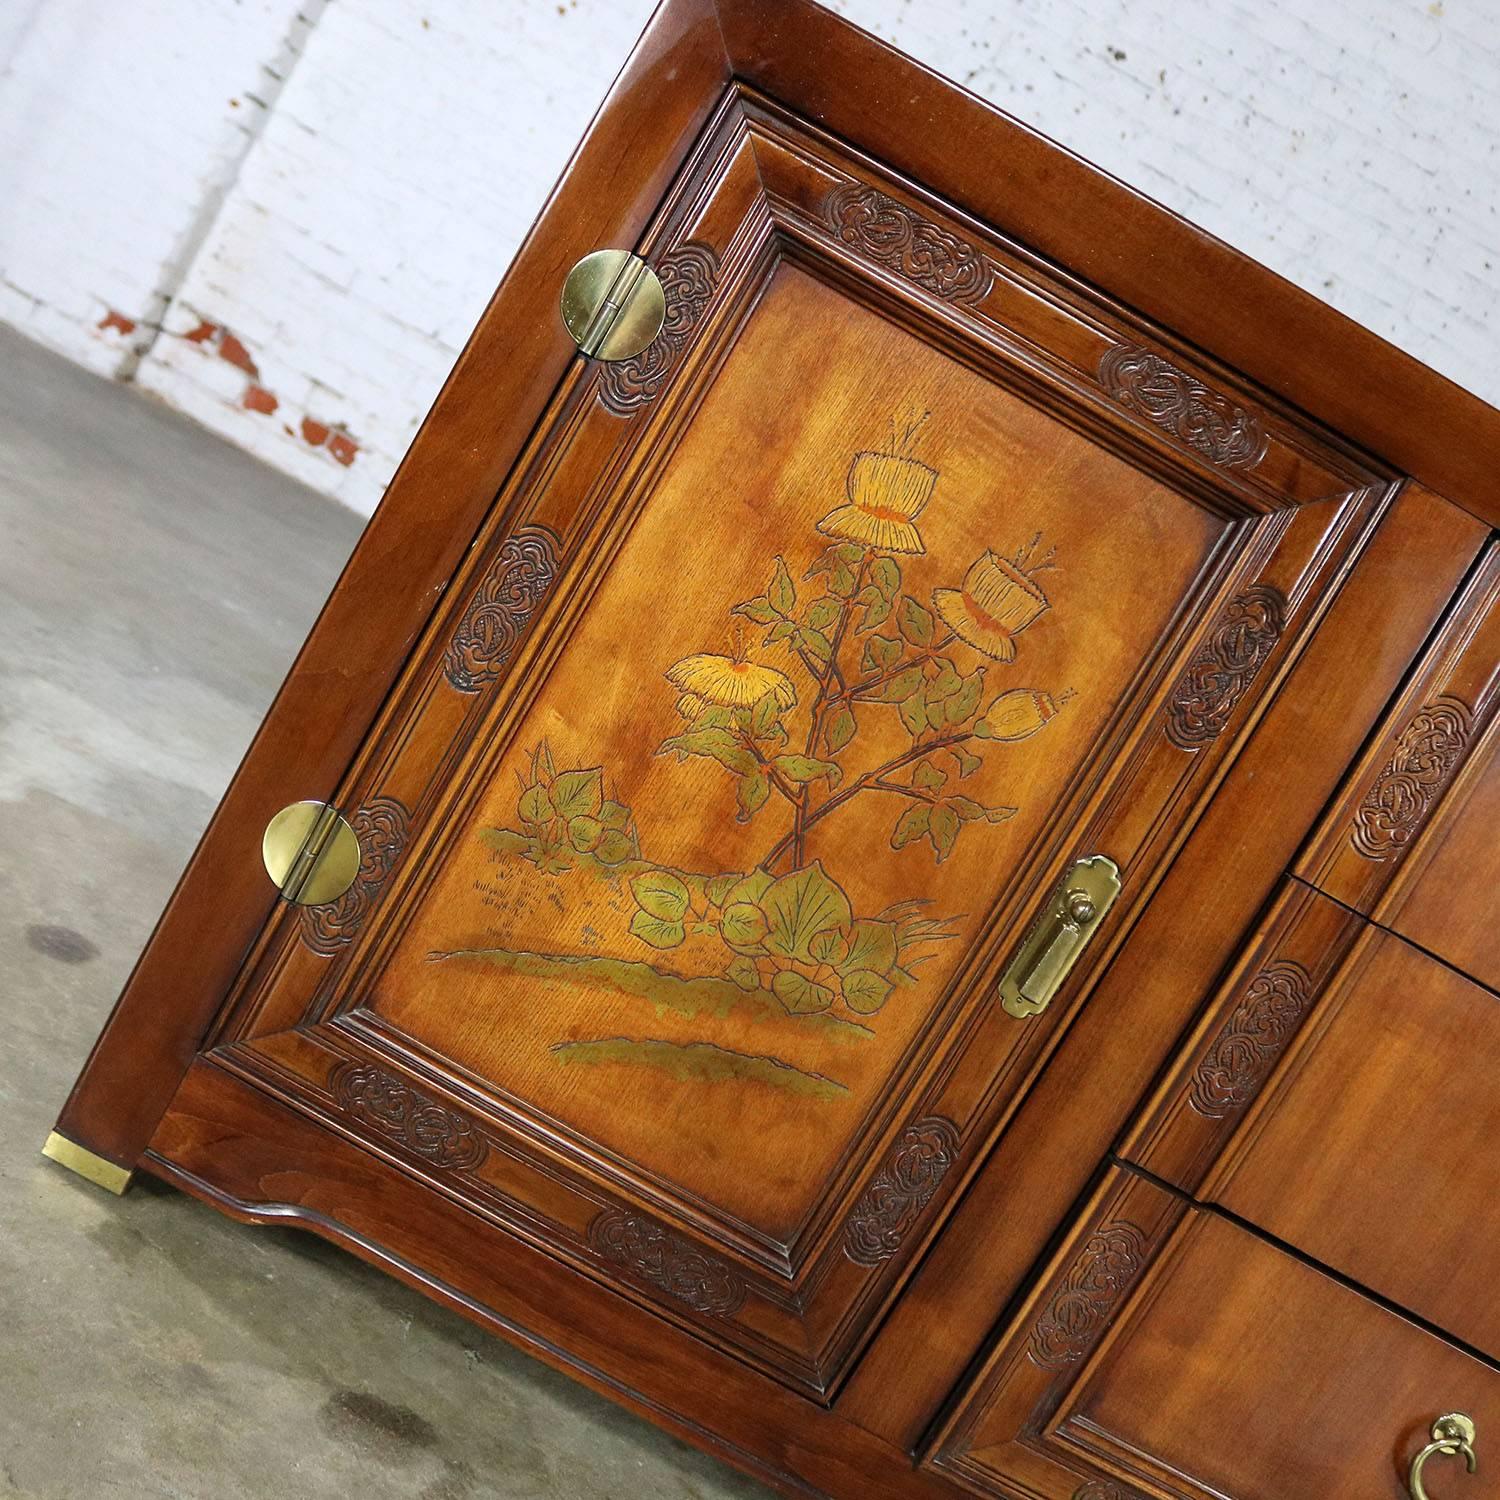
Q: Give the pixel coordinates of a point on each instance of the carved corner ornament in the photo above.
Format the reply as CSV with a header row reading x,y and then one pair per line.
x,y
903,241
381,828
666,1262
1427,753
1082,1302
516,583
1104,1489
688,275
1180,404
916,1164
1240,1057
403,1114
1224,666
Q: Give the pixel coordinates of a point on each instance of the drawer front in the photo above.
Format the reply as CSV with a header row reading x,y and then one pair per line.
x,y
1168,1352
1445,897
1341,1094
1410,842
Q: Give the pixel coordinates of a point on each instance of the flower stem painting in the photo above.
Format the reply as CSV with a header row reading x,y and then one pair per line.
x,y
839,690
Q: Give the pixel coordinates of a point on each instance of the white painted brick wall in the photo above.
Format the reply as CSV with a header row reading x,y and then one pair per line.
x,y
405,160
1351,145
120,124
1354,145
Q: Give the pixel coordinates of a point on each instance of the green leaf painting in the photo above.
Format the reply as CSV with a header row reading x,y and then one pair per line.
x,y
577,794
798,907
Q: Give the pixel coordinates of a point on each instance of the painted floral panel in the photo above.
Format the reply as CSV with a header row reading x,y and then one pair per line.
x,y
864,634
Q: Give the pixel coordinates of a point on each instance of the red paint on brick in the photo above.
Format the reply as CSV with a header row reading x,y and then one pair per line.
x,y
117,320
237,354
258,398
343,447
202,333
313,432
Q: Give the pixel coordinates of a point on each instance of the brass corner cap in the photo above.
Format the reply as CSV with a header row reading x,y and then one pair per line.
x,y
96,1169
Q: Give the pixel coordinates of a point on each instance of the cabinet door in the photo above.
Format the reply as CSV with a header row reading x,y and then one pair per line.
x,y
799,660
1168,1352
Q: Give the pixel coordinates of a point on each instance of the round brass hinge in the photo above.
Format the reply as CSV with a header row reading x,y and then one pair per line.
x,y
311,853
613,304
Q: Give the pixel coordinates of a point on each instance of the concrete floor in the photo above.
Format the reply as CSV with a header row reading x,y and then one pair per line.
x,y
154,586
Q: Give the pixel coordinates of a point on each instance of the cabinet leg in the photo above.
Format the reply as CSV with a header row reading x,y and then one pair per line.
x,y
95,1168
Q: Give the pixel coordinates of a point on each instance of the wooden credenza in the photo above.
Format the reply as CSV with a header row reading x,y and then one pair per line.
x,y
922,898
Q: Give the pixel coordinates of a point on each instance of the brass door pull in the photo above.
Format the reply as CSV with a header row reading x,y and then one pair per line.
x,y
1452,1435
1051,947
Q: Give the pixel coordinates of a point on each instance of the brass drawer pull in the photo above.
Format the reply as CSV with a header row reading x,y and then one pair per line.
x,y
1051,947
1451,1435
